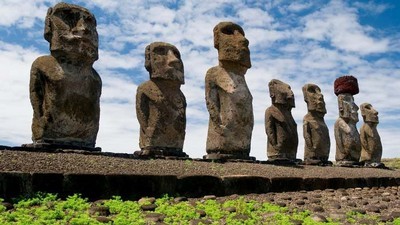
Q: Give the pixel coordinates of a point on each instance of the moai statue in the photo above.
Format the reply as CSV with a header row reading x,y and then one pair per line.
x,y
315,131
371,146
348,145
280,126
160,103
229,101
64,88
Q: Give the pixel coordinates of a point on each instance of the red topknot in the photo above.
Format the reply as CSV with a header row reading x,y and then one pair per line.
x,y
346,84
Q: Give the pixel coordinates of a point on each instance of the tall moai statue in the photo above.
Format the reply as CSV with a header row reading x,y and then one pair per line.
x,y
280,126
371,145
229,101
316,134
348,144
64,88
160,103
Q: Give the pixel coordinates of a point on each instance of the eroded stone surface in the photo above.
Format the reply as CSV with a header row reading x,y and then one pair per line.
x,y
160,104
229,101
315,131
371,146
348,143
280,126
64,88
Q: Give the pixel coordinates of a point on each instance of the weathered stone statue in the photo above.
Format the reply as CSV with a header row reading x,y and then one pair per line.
x,y
315,131
229,101
64,88
348,145
160,104
280,126
371,146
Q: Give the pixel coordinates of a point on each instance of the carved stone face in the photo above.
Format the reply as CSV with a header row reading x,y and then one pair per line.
x,y
369,114
314,98
71,31
163,61
281,93
347,108
229,39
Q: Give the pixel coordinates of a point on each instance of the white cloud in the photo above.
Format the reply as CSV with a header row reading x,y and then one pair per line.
x,y
338,24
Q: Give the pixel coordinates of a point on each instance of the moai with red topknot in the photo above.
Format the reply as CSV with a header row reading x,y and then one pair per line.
x,y
348,144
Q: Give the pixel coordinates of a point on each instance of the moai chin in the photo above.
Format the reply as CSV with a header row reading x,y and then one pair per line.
x,y
316,134
371,145
280,126
64,88
348,145
160,104
229,101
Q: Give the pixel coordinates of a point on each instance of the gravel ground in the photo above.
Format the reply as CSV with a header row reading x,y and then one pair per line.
x,y
98,164
384,202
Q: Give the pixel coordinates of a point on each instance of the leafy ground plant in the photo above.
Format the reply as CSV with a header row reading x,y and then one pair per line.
x,y
75,210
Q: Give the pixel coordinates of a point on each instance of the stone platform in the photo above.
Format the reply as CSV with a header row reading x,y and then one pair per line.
x,y
103,175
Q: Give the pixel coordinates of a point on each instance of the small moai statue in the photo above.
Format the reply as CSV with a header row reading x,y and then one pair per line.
x,y
160,103
315,131
371,145
64,88
229,101
280,126
348,144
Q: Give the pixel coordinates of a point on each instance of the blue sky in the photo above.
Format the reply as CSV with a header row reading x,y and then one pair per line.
x,y
297,42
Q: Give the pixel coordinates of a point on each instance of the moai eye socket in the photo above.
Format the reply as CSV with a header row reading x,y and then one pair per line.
x,y
228,30
69,17
160,50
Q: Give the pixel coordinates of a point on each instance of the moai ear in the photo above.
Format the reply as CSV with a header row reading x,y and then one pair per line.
x,y
48,32
147,58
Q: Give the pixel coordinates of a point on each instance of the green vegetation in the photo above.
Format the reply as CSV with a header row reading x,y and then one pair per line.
x,y
75,210
393,163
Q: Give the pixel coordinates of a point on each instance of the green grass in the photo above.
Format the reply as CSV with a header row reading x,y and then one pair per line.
x,y
393,163
74,210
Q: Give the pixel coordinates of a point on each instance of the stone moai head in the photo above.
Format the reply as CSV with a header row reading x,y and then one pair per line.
x,y
369,114
281,93
347,108
345,87
232,46
163,61
314,98
71,32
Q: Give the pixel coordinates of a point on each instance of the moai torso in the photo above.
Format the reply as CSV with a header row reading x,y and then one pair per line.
x,y
228,98
280,126
161,110
160,104
66,102
371,145
348,143
229,103
64,88
316,134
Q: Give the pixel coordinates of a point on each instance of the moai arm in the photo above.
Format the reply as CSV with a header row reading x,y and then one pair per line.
x,y
365,137
36,90
270,128
212,100
307,135
142,108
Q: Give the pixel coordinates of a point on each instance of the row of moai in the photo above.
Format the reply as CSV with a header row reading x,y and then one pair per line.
x,y
65,95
